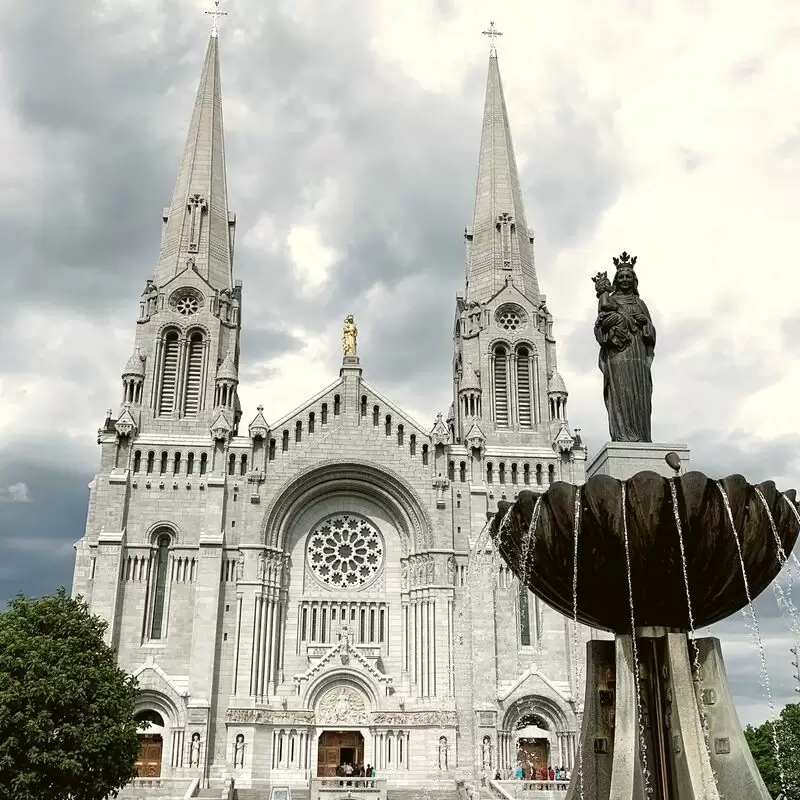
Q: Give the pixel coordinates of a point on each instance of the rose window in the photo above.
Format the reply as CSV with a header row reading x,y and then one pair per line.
x,y
509,319
345,551
187,305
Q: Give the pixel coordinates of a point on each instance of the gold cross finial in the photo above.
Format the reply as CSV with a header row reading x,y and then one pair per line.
x,y
492,33
216,13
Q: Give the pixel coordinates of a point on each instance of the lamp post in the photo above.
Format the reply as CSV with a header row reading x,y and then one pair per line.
x,y
796,665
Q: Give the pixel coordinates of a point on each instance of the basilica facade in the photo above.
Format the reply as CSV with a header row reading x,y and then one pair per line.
x,y
301,591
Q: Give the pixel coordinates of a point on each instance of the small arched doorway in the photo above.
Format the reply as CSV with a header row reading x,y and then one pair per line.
x,y
337,748
533,746
151,744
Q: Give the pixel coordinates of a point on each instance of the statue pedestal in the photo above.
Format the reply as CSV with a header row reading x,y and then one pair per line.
x,y
679,764
622,460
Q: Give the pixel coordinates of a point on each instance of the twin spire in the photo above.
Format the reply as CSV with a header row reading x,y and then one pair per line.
x,y
198,227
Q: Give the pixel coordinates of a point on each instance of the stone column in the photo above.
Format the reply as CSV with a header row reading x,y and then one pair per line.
x,y
105,594
206,619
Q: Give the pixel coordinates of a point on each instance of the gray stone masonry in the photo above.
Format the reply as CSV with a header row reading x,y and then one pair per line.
x,y
317,576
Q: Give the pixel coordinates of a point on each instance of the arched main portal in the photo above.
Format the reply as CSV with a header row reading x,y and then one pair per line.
x,y
339,749
151,744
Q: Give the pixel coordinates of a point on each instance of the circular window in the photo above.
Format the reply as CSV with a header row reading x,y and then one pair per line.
x,y
187,306
509,318
186,301
345,551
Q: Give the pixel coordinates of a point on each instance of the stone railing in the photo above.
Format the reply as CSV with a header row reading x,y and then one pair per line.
x,y
356,788
521,790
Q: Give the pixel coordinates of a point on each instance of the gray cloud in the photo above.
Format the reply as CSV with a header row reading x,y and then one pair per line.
x,y
310,110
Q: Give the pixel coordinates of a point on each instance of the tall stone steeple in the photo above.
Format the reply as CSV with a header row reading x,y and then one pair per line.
x,y
507,390
499,245
184,373
198,226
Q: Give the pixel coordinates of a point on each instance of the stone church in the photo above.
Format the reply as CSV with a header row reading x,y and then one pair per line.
x,y
300,591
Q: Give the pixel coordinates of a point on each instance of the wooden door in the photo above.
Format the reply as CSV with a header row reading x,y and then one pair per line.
x,y
329,751
534,754
148,763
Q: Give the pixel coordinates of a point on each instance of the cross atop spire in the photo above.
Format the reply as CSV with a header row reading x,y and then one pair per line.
x,y
492,33
216,13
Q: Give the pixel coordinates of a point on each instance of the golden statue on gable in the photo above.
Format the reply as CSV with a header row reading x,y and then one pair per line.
x,y
349,336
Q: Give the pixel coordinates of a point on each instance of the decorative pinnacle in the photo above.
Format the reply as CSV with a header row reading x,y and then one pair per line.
x,y
492,33
216,13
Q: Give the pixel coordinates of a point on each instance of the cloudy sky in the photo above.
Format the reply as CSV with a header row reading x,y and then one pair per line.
x,y
671,130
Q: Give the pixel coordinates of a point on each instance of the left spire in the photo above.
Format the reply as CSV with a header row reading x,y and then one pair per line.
x,y
198,227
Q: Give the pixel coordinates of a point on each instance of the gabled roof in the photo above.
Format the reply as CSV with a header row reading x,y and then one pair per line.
x,y
343,649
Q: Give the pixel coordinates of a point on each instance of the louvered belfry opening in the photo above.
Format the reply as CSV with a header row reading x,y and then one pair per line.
x,y
501,387
194,374
524,387
169,373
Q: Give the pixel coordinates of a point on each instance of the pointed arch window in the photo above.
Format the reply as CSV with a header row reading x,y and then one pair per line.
x,y
194,374
157,627
524,616
524,387
169,373
501,414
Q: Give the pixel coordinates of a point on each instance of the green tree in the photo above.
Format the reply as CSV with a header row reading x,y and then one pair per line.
x,y
66,710
762,746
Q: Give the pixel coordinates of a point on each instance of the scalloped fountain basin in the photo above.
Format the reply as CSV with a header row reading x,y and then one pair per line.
x,y
713,569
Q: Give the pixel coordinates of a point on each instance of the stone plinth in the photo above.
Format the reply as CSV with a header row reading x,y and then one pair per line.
x,y
622,460
678,706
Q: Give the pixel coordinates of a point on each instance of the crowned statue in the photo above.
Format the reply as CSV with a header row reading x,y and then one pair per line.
x,y
627,338
349,336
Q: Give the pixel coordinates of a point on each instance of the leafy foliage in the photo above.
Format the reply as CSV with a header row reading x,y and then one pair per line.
x,y
66,710
762,746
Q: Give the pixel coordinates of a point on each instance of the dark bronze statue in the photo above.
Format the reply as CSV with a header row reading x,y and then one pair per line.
x,y
627,341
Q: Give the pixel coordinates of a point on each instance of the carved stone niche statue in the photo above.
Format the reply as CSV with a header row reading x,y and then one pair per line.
x,y
627,338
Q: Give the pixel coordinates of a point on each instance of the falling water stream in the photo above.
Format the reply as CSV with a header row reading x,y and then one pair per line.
x,y
530,540
575,663
692,632
784,598
642,742
757,634
796,513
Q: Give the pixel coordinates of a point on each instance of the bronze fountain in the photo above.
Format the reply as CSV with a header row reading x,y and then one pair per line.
x,y
657,558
